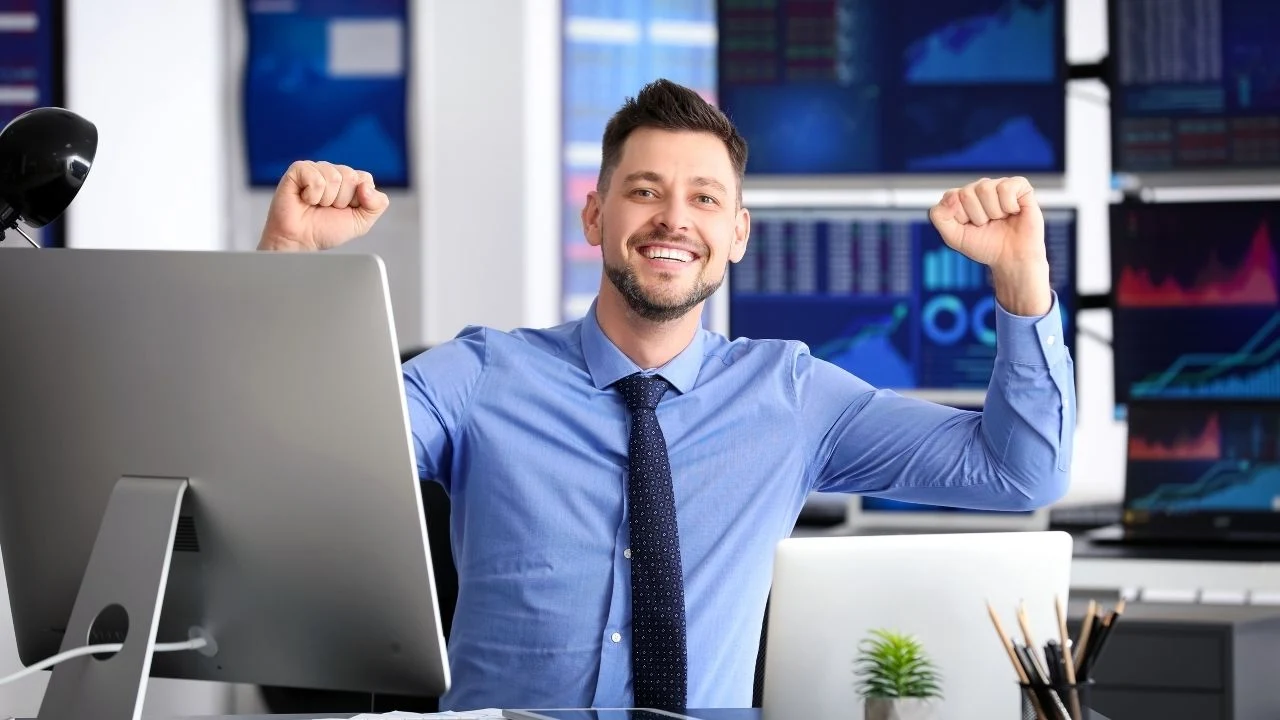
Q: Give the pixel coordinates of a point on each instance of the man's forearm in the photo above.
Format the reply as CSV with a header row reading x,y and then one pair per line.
x,y
1022,288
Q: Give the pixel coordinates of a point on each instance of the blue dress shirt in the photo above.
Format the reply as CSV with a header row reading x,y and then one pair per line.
x,y
524,431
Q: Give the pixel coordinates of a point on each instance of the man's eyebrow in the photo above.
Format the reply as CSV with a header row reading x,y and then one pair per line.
x,y
711,183
646,175
653,177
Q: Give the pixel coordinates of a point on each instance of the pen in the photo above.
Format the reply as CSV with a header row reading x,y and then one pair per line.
x,y
1053,661
1095,649
1040,685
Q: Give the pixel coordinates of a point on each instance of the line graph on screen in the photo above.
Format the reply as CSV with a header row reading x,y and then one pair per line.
x,y
1251,371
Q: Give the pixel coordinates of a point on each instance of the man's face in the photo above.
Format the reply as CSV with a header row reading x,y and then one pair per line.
x,y
668,223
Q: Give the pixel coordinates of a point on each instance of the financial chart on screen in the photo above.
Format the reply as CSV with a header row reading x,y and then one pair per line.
x,y
31,71
611,49
875,291
1189,458
326,79
869,86
1196,300
1195,85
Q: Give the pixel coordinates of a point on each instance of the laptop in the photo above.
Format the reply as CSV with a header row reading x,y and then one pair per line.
x,y
829,593
1200,472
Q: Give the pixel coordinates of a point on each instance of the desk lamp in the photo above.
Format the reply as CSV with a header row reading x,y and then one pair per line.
x,y
45,156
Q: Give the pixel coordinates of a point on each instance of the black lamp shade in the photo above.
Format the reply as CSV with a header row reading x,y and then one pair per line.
x,y
45,156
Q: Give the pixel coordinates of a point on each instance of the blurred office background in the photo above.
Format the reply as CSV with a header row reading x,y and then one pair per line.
x,y
482,120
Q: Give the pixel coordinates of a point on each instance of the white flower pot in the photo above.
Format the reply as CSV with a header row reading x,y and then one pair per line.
x,y
901,708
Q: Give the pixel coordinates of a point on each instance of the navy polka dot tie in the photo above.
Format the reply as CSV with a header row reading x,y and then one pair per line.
x,y
658,651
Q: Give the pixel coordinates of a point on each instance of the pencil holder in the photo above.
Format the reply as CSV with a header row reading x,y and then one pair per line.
x,y
1056,701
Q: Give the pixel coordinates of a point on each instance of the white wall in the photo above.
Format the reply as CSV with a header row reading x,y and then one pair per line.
x,y
149,73
490,150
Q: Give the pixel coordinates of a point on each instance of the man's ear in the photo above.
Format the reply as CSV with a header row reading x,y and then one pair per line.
x,y
741,233
591,219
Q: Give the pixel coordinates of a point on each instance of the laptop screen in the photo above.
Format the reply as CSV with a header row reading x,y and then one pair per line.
x,y
1203,470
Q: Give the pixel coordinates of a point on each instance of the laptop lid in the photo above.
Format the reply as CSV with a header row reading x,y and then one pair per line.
x,y
829,593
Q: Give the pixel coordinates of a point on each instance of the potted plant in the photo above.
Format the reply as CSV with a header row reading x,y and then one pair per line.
x,y
897,680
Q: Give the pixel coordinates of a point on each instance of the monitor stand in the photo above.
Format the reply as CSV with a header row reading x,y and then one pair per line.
x,y
119,601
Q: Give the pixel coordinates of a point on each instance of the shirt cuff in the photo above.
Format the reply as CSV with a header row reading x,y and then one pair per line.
x,y
1030,340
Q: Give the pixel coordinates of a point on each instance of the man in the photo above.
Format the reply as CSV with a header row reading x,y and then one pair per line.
x,y
609,552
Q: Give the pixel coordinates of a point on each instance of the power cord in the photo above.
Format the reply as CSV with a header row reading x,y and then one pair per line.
x,y
192,644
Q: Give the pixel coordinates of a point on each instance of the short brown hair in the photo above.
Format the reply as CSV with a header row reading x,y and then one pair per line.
x,y
665,105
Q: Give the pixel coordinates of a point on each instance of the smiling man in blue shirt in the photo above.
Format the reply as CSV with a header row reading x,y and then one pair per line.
x,y
529,432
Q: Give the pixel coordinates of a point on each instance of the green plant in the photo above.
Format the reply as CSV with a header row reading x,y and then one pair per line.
x,y
894,665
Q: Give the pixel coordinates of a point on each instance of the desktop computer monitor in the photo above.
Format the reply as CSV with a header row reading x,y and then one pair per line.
x,y
1193,88
1195,301
212,445
1203,470
924,88
877,292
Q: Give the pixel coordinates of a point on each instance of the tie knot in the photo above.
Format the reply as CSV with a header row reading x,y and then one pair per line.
x,y
641,391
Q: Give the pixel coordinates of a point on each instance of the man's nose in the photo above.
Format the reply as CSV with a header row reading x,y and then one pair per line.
x,y
673,217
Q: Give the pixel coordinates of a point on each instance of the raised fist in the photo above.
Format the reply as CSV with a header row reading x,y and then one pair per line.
x,y
319,205
994,222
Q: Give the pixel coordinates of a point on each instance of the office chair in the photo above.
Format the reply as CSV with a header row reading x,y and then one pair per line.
x,y
757,693
436,506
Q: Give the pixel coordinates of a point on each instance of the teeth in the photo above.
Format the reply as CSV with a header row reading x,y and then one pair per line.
x,y
654,253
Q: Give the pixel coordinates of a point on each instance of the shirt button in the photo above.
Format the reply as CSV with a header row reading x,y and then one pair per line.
x,y
616,637
1049,340
627,553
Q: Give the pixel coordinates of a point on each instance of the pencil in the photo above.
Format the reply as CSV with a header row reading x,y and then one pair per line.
x,y
1031,643
1086,628
1008,644
1013,658
1068,664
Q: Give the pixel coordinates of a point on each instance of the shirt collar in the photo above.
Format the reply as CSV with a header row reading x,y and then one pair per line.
x,y
607,364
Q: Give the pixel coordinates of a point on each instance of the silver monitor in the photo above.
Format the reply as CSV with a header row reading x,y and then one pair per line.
x,y
211,444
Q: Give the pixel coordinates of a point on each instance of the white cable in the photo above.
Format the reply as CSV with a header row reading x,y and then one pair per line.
x,y
193,644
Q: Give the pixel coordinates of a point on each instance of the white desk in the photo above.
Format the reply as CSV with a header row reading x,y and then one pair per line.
x,y
1224,578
